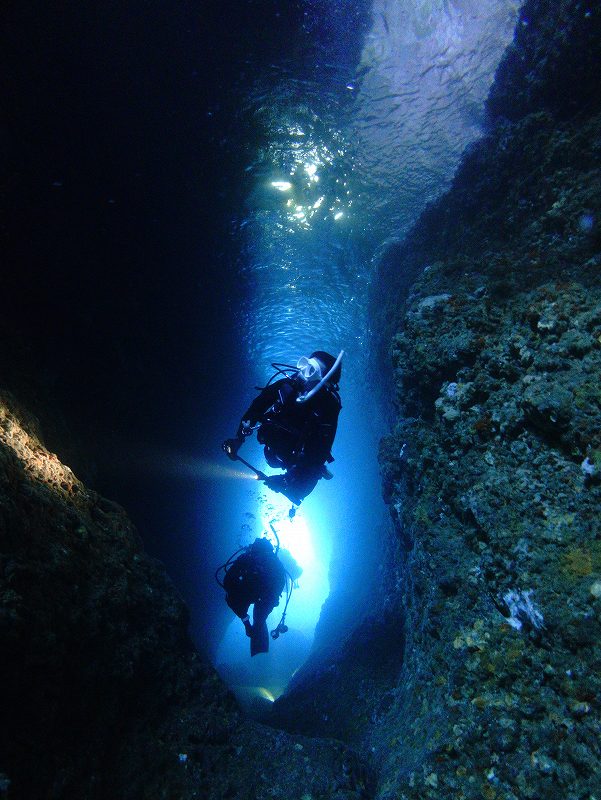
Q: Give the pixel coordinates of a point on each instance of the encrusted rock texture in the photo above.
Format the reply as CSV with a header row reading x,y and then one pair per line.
x,y
480,674
490,312
101,691
493,471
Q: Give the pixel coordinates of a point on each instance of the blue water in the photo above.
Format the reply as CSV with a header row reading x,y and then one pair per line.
x,y
347,156
194,195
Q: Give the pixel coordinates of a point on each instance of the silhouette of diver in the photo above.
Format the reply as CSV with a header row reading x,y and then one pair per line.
x,y
296,419
256,578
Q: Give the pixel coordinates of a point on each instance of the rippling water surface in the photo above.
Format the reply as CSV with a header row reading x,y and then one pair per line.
x,y
347,159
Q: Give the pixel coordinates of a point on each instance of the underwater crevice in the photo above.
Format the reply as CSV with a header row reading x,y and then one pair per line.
x,y
342,697
491,471
476,671
101,687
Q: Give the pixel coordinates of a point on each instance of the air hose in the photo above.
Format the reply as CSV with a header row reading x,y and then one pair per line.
x,y
281,627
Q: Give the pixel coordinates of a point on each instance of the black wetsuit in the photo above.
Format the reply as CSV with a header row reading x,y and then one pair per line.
x,y
255,578
298,437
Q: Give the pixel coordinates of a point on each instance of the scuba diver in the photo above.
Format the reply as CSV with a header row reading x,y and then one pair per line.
x,y
258,578
296,419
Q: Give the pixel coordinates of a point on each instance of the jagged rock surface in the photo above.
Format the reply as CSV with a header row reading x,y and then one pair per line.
x,y
102,693
480,676
493,470
491,311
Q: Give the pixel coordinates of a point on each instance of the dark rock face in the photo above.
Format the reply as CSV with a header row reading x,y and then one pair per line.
x,y
479,675
349,691
102,694
552,64
494,490
491,312
492,471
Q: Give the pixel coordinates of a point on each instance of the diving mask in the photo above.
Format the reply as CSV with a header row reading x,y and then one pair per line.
x,y
309,369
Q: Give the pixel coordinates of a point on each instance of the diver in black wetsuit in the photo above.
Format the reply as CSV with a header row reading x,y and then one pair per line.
x,y
296,418
256,578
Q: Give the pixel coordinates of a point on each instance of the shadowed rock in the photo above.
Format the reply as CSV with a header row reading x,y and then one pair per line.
x,y
102,693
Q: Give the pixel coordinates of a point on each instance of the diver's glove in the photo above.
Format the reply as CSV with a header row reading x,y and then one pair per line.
x,y
280,483
274,482
244,429
231,447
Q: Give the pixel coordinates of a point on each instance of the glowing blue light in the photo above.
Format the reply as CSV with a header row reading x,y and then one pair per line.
x,y
304,540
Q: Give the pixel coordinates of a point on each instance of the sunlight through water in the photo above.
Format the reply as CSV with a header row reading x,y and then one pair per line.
x,y
344,161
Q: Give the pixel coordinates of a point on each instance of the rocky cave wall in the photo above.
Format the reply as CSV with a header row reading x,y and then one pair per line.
x,y
490,310
101,691
493,470
477,672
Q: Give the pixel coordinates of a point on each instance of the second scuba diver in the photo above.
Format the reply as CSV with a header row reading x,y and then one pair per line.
x,y
296,419
257,577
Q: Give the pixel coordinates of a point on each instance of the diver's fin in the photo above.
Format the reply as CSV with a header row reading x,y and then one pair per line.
x,y
259,640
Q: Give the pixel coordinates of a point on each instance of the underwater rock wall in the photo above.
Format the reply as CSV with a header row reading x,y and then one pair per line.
x,y
478,672
101,691
490,312
493,470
